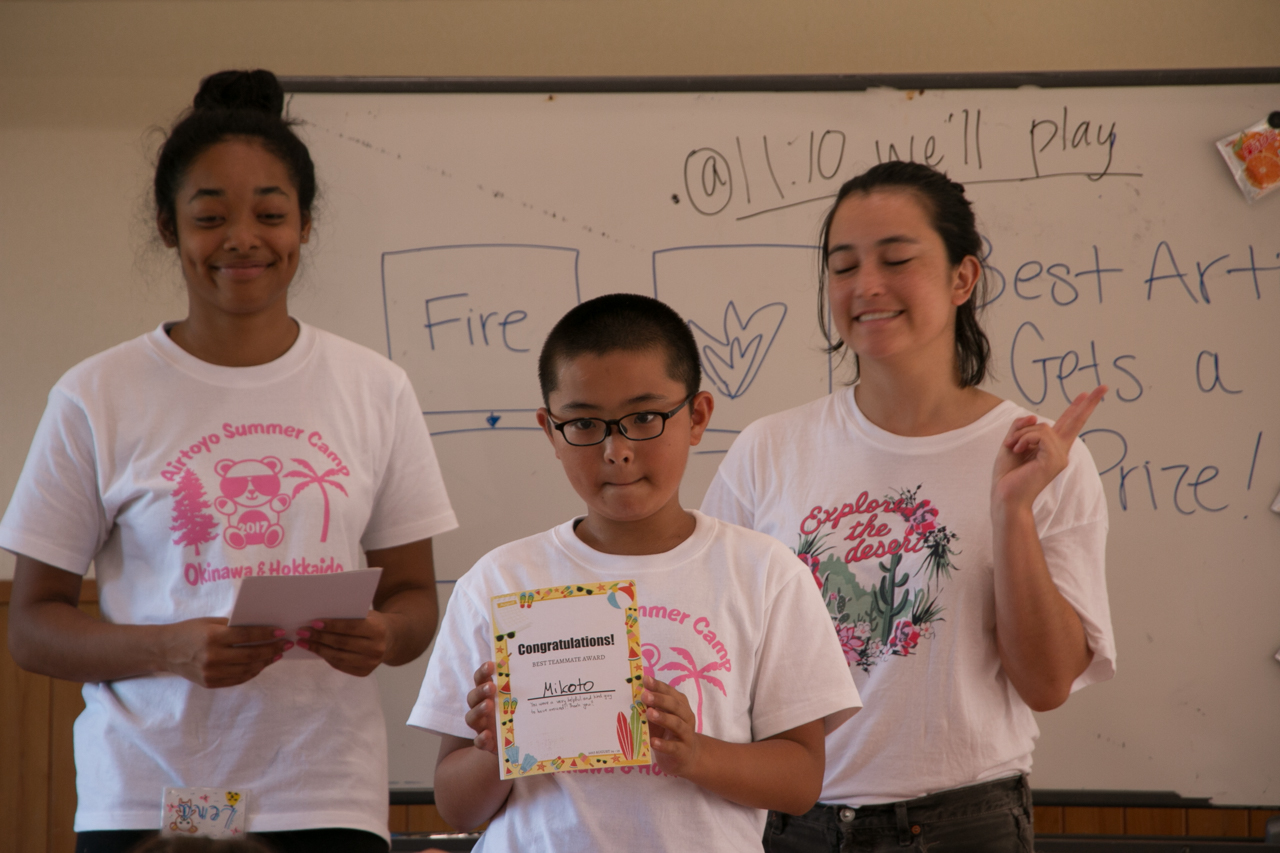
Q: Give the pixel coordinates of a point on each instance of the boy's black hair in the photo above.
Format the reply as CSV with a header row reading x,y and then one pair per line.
x,y
621,321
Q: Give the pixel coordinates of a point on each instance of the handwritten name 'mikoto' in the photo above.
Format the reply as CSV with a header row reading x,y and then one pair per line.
x,y
567,688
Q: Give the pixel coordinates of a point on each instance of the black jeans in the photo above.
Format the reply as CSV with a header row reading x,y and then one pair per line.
x,y
991,817
296,841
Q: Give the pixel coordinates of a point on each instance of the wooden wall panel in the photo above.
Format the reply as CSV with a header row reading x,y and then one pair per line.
x,y
25,754
1093,820
37,768
11,737
1218,823
1155,821
1047,819
426,819
1258,821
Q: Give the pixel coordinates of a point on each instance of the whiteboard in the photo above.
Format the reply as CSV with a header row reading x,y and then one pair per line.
x,y
456,228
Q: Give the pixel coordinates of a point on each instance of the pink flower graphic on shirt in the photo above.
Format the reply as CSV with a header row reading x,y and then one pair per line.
x,y
920,518
850,643
936,539
193,525
905,637
690,670
309,477
810,552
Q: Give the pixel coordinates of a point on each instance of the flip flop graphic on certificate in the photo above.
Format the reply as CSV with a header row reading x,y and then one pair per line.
x,y
569,679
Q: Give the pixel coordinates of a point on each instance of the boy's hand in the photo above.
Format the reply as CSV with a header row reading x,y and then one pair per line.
x,y
677,746
482,703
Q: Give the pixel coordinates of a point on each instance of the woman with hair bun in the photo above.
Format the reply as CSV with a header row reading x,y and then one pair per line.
x,y
958,540
234,442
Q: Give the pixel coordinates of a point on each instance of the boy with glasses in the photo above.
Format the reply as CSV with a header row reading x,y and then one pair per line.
x,y
740,686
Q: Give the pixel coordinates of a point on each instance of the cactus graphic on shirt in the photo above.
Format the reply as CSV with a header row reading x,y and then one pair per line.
x,y
193,525
887,606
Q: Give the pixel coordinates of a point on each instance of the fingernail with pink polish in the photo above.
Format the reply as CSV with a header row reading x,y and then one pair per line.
x,y
303,632
288,645
279,632
317,624
303,645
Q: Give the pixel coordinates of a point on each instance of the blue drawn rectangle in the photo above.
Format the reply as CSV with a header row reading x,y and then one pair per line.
x,y
466,322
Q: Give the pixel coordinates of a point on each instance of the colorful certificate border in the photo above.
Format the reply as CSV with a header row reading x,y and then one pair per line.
x,y
633,728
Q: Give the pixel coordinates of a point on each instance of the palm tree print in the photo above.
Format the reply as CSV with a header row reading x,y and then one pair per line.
x,y
310,476
690,670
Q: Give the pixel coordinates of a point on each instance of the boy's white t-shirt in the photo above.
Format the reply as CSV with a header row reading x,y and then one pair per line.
x,y
729,617
846,495
177,478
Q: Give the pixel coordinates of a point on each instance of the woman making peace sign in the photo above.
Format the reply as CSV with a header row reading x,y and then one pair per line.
x,y
958,540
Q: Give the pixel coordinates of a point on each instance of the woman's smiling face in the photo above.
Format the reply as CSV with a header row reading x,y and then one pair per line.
x,y
893,290
238,229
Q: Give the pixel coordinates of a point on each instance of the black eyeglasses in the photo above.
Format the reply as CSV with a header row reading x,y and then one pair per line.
x,y
637,426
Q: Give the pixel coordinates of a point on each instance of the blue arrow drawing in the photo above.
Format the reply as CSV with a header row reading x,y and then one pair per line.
x,y
732,363
492,420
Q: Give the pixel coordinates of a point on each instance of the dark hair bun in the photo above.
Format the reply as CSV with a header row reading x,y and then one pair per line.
x,y
241,90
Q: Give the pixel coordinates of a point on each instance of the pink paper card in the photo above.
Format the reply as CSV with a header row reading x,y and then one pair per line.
x,y
292,601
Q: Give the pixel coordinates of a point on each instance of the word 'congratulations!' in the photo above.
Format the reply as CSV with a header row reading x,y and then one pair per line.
x,y
564,645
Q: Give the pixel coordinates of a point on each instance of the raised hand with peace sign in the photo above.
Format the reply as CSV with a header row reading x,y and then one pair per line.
x,y
1034,452
1039,634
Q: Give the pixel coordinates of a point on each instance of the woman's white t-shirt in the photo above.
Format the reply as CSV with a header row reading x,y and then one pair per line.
x,y
177,478
728,617
897,534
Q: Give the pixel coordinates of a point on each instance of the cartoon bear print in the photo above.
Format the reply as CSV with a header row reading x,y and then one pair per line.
x,y
252,501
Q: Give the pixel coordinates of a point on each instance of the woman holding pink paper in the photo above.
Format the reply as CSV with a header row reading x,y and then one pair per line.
x,y
235,442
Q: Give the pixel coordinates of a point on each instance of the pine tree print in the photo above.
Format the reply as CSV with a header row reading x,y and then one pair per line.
x,y
192,524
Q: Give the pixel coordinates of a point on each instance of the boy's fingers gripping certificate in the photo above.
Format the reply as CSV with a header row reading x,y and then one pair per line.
x,y
569,679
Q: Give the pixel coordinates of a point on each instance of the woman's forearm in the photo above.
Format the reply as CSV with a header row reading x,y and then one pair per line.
x,y
411,622
407,598
1040,637
50,635
59,640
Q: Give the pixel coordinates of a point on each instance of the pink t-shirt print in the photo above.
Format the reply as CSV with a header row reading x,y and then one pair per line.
x,y
251,501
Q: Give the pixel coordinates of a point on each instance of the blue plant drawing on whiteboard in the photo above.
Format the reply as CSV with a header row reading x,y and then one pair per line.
x,y
732,362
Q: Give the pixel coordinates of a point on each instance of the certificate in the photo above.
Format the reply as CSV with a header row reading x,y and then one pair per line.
x,y
569,679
